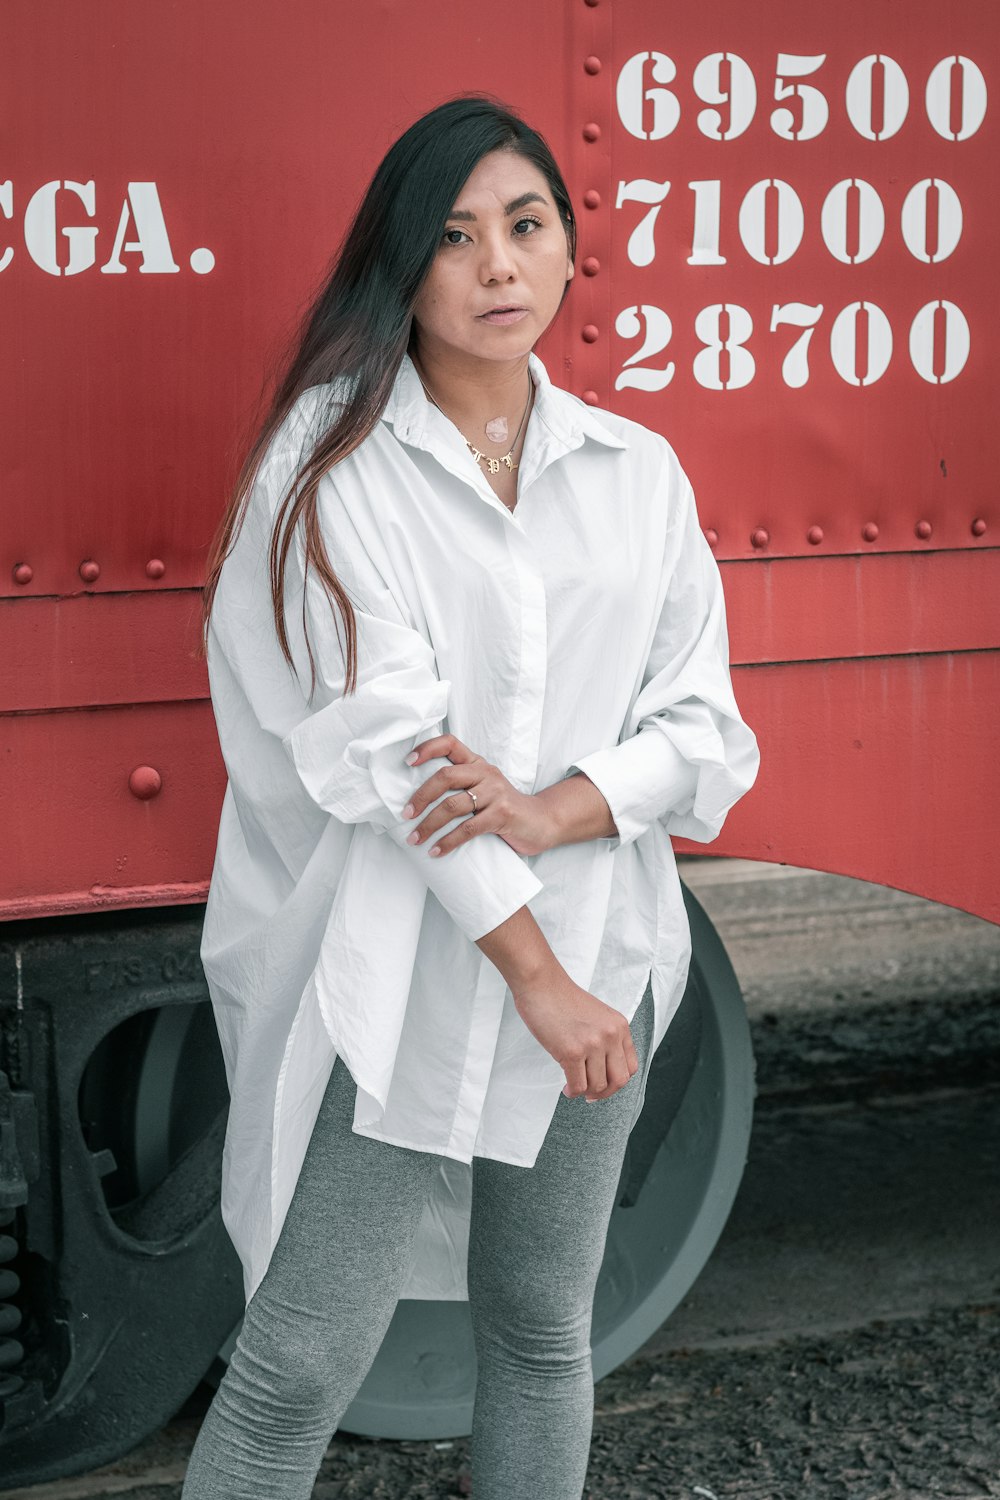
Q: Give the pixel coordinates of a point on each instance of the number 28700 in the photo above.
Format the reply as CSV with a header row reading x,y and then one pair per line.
x,y
860,344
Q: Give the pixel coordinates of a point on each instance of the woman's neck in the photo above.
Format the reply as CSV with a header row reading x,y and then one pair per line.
x,y
472,392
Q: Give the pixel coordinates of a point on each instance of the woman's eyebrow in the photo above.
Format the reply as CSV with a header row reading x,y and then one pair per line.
x,y
509,208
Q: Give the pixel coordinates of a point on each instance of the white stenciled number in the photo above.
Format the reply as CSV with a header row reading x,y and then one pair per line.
x,y
861,343
869,221
877,123
724,78
956,115
641,246
633,96
789,222
709,368
628,325
795,365
939,342
931,220
813,106
705,233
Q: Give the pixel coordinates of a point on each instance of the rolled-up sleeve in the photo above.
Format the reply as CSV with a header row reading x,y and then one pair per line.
x,y
685,755
349,750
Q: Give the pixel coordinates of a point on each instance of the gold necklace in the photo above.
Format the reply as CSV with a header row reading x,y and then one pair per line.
x,y
492,464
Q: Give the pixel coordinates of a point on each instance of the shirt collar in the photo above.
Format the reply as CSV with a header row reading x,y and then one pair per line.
x,y
567,418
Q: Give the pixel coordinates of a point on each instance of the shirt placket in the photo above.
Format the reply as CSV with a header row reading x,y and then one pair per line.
x,y
521,769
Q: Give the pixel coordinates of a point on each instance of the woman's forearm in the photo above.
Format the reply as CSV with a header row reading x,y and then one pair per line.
x,y
519,949
578,810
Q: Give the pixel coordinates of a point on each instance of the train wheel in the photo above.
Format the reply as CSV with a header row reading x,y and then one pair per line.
x,y
679,1179
122,1277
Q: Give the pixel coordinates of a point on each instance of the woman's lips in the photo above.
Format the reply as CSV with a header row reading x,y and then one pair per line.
x,y
512,315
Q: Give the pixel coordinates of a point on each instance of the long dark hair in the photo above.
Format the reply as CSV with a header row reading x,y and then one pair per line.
x,y
360,326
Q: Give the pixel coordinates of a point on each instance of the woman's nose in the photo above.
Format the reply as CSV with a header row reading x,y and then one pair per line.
x,y
496,262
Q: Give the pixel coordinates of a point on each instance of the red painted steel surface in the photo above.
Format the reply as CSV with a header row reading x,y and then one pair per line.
x,y
788,229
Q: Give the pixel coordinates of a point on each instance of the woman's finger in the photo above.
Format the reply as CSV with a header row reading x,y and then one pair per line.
x,y
576,1078
597,1073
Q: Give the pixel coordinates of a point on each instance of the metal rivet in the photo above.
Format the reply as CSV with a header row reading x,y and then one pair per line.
x,y
89,570
869,531
814,535
592,65
23,573
978,526
592,131
592,3
591,398
923,529
145,782
591,198
712,536
590,333
591,266
759,537
155,568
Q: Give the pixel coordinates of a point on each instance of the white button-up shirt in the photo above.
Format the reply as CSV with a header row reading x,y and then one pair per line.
x,y
584,630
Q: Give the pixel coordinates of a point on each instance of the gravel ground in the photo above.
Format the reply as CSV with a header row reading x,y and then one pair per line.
x,y
900,1410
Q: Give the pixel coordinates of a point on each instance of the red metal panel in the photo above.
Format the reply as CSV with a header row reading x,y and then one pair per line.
x,y
217,152
84,840
914,810
793,442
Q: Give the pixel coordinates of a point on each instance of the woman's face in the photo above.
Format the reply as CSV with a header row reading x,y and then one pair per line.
x,y
503,246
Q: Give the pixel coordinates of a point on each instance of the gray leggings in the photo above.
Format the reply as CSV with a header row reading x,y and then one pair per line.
x,y
314,1326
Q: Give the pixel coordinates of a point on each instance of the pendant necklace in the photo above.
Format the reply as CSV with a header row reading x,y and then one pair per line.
x,y
496,430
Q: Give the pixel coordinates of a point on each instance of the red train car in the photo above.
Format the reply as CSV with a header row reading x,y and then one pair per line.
x,y
788,229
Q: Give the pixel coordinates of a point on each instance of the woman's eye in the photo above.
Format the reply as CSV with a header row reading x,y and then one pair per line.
x,y
528,220
453,231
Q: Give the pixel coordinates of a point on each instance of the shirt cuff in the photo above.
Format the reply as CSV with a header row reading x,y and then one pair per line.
x,y
480,883
642,779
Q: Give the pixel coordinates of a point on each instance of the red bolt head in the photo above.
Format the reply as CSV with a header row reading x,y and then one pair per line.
x,y
591,398
145,782
869,531
592,65
89,570
814,535
23,573
590,333
978,526
923,529
711,536
591,198
592,131
759,537
155,568
591,266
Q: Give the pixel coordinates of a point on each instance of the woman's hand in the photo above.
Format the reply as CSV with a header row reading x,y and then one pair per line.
x,y
522,820
592,1042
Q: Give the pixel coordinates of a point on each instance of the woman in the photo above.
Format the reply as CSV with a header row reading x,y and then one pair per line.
x,y
515,643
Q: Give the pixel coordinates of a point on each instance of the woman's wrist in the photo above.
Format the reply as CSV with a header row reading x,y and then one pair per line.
x,y
576,811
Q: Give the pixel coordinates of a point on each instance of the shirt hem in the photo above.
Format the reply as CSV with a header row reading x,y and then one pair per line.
x,y
377,1135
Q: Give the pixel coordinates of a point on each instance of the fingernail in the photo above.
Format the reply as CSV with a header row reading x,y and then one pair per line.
x,y
413,755
408,810
414,837
435,850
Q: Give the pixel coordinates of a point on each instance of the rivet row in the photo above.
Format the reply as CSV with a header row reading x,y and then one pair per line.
x,y
760,536
89,570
